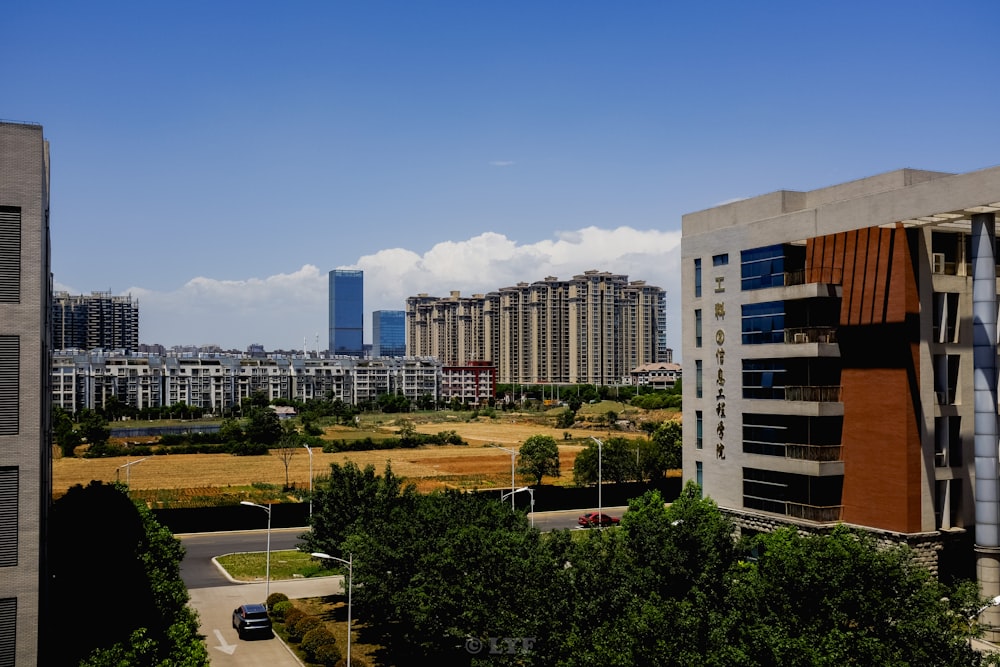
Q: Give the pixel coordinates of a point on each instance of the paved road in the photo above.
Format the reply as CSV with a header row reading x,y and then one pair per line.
x,y
214,595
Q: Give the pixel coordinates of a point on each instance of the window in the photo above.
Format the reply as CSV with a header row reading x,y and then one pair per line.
x,y
764,379
763,323
762,267
698,389
945,324
720,260
698,474
698,430
697,327
697,277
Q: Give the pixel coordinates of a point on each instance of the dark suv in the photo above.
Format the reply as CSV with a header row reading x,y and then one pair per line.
x,y
252,619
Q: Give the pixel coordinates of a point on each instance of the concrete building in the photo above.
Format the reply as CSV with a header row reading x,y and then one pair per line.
x,y
473,384
843,342
346,294
593,328
25,434
218,382
99,320
663,375
389,333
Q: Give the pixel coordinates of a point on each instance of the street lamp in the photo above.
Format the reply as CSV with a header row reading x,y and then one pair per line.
x,y
513,454
128,470
309,449
267,567
350,586
531,492
600,447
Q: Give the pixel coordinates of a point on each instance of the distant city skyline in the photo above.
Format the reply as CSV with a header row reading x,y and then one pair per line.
x,y
215,161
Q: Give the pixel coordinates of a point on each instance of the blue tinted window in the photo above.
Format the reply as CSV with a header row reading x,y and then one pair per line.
x,y
697,277
720,260
698,391
763,323
698,421
764,378
762,267
697,327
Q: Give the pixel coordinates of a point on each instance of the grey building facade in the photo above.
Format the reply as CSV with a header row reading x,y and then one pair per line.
x,y
25,457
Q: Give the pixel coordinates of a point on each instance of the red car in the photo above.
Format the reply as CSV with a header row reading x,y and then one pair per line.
x,y
597,519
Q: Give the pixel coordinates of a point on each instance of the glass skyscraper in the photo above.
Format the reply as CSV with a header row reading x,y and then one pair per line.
x,y
389,333
346,312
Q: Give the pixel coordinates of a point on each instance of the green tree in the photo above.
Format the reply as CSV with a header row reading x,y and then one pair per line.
x,y
840,599
64,431
539,457
351,497
263,427
616,459
230,432
94,428
668,438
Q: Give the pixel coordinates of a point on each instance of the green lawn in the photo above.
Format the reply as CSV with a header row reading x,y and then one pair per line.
x,y
284,565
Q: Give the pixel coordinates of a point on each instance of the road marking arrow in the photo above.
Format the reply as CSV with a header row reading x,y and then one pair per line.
x,y
226,648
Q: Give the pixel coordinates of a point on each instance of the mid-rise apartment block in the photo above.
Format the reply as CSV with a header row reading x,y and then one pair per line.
x,y
25,455
96,321
593,328
844,351
218,382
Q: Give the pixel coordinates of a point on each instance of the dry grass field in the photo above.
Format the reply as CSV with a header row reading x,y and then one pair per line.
x,y
429,467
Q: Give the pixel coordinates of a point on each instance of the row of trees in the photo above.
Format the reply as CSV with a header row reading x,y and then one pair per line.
x,y
458,578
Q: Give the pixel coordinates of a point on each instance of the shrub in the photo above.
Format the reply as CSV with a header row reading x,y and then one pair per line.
x,y
329,655
312,640
291,616
298,629
355,662
275,598
248,449
280,610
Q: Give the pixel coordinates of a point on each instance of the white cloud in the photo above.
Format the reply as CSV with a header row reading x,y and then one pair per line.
x,y
501,163
280,311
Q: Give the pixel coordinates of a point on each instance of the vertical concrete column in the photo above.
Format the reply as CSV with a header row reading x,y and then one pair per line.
x,y
984,362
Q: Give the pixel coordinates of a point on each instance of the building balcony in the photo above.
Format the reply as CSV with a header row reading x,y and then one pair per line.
x,y
817,513
814,393
813,452
798,335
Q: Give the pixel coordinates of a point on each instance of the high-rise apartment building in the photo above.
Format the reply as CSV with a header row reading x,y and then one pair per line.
x,y
389,333
98,321
844,348
593,328
346,312
25,397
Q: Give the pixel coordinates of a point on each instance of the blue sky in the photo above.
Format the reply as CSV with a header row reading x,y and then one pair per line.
x,y
217,159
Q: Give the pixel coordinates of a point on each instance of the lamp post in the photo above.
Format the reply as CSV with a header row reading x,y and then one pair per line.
x,y
600,447
267,567
531,492
513,454
350,587
128,470
309,449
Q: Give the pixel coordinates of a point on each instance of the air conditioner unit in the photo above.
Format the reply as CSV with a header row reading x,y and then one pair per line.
x,y
801,338
937,262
